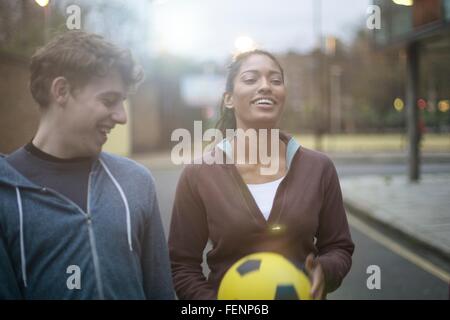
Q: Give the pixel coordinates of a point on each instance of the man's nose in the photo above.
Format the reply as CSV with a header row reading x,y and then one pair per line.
x,y
120,115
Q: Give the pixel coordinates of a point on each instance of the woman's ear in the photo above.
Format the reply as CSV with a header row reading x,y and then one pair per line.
x,y
60,90
228,100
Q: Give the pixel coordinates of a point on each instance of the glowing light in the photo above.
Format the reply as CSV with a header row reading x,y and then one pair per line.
x,y
398,104
276,228
159,2
444,105
422,104
403,2
42,3
176,28
244,44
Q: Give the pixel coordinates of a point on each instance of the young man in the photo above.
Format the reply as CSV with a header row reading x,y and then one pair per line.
x,y
75,222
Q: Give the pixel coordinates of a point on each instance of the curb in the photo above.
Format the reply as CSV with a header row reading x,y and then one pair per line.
x,y
393,158
364,213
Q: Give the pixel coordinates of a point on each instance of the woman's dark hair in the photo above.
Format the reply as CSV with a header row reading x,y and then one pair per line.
x,y
227,117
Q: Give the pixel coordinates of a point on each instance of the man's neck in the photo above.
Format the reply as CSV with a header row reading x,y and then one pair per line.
x,y
35,151
53,143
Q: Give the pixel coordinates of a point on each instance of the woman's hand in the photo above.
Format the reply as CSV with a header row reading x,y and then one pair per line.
x,y
315,273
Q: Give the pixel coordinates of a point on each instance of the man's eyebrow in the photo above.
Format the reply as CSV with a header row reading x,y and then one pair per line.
x,y
113,94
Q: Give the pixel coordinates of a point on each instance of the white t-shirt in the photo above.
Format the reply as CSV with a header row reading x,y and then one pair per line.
x,y
264,194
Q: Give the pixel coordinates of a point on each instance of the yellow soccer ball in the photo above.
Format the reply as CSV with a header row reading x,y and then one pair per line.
x,y
264,276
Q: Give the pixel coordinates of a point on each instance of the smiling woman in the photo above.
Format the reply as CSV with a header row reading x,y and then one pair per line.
x,y
296,210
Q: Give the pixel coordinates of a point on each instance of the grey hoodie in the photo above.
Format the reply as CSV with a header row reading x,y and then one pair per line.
x,y
51,249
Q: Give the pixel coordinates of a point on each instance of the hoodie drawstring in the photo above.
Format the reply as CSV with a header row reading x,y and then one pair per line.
x,y
22,246
124,199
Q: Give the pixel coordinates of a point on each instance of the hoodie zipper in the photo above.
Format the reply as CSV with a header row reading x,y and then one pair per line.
x,y
92,242
90,232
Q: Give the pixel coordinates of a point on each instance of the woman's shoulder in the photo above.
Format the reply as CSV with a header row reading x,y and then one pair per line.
x,y
206,164
315,156
314,161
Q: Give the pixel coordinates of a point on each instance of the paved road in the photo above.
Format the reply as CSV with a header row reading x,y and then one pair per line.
x,y
400,278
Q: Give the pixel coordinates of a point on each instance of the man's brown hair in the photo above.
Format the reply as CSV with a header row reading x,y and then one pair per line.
x,y
78,56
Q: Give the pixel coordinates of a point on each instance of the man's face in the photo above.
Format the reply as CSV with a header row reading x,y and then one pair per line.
x,y
92,112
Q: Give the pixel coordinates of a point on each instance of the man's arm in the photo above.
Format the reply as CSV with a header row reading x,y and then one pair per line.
x,y
9,288
155,256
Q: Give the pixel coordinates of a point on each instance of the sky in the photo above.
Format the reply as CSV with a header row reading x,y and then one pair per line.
x,y
207,29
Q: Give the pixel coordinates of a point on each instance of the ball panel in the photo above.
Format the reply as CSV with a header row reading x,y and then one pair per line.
x,y
249,266
286,292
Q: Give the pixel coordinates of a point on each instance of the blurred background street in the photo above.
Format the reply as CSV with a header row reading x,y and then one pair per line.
x,y
402,276
367,82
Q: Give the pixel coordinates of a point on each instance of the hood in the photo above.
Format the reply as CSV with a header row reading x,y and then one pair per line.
x,y
10,176
291,147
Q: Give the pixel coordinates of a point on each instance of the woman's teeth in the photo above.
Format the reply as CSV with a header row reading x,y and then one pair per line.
x,y
264,101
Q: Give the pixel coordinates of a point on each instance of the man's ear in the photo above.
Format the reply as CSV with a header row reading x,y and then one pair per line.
x,y
228,100
60,90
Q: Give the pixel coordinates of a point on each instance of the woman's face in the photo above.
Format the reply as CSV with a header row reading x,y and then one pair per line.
x,y
259,93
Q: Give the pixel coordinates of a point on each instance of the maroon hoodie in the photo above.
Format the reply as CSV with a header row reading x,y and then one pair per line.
x,y
213,203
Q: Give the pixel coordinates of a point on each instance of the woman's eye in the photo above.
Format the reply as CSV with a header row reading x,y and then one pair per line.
x,y
249,80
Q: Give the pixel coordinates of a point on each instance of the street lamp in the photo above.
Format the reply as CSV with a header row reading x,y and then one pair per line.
x,y
42,3
45,4
318,111
407,3
244,44
335,88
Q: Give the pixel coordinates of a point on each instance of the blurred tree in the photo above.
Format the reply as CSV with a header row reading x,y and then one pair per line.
x,y
22,26
374,79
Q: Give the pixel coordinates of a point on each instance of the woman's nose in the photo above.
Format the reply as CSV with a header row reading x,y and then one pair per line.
x,y
265,85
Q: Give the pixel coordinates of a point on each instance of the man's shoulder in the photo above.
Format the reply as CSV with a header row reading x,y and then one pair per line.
x,y
125,166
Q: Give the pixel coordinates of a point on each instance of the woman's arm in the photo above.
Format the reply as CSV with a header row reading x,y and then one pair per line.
x,y
187,240
334,241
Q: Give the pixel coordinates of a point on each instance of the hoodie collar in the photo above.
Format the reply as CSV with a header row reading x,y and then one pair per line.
x,y
9,175
291,147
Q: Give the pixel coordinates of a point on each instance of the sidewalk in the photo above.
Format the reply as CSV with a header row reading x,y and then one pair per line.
x,y
419,211
393,157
